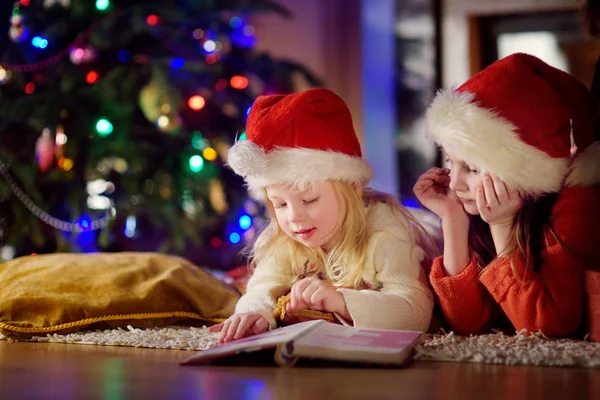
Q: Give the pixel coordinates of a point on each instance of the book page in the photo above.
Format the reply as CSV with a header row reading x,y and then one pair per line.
x,y
345,343
262,341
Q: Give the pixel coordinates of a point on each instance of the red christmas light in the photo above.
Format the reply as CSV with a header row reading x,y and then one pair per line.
x,y
196,102
91,77
216,242
239,82
30,88
212,58
152,20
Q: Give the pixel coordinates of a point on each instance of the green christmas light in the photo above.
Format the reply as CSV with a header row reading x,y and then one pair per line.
x,y
102,4
198,142
104,127
242,136
196,163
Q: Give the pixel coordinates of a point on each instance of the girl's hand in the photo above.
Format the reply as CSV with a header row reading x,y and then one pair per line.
x,y
316,294
433,191
240,325
497,202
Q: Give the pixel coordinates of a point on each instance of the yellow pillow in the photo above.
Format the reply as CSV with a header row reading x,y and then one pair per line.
x,y
64,292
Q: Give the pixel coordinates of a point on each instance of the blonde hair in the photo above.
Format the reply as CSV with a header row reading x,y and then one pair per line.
x,y
345,261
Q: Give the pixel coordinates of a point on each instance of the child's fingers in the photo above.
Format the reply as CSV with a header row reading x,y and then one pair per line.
x,y
224,330
260,325
233,326
216,328
481,201
308,293
245,323
296,294
500,188
318,298
433,175
439,171
443,180
513,192
425,182
490,192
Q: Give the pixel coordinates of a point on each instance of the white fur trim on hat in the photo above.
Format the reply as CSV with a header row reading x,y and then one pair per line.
x,y
481,137
299,167
585,170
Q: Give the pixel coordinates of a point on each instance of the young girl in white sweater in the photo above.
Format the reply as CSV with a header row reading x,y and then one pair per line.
x,y
332,245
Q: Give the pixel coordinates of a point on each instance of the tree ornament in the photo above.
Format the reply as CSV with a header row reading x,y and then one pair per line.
x,y
50,3
160,103
45,150
217,197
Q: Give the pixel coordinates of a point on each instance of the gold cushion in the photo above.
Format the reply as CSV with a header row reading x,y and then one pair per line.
x,y
64,292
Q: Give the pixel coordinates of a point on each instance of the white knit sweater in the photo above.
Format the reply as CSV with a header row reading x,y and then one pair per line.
x,y
399,297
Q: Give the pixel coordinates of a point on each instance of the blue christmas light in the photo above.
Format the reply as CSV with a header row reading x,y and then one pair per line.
x,y
235,22
177,63
130,226
242,39
248,110
235,238
84,223
245,222
124,56
39,42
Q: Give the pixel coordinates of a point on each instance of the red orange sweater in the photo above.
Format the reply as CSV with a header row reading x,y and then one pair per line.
x,y
551,299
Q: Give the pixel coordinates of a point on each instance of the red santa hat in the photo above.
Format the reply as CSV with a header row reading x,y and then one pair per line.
x,y
521,120
299,139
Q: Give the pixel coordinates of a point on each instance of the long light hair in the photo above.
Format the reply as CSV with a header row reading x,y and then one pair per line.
x,y
345,261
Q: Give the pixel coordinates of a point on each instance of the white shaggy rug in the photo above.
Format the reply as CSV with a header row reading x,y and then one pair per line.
x,y
496,348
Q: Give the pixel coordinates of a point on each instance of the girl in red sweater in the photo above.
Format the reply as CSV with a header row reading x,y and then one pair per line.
x,y
520,203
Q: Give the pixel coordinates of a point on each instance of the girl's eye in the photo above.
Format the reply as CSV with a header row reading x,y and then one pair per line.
x,y
311,201
277,206
447,160
473,170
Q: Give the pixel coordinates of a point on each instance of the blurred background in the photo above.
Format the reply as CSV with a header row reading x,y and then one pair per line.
x,y
116,115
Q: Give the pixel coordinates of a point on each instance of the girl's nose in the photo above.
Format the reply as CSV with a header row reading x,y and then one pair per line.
x,y
456,180
296,214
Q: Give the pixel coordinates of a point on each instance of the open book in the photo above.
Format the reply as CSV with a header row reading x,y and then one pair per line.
x,y
320,340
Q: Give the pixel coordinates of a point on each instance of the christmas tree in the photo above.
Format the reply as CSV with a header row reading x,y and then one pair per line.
x,y
116,119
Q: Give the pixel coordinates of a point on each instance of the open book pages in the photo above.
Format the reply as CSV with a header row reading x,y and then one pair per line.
x,y
359,345
263,341
320,340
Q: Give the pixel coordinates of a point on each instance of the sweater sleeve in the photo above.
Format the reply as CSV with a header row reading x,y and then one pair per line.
x,y
268,282
550,296
465,303
403,301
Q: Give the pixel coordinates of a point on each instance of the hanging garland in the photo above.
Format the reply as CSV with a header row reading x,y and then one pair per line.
x,y
43,216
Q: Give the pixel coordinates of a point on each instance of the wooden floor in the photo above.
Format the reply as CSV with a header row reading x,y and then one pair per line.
x,y
67,371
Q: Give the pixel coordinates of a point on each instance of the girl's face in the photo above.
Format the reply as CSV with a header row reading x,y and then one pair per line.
x,y
465,178
309,216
